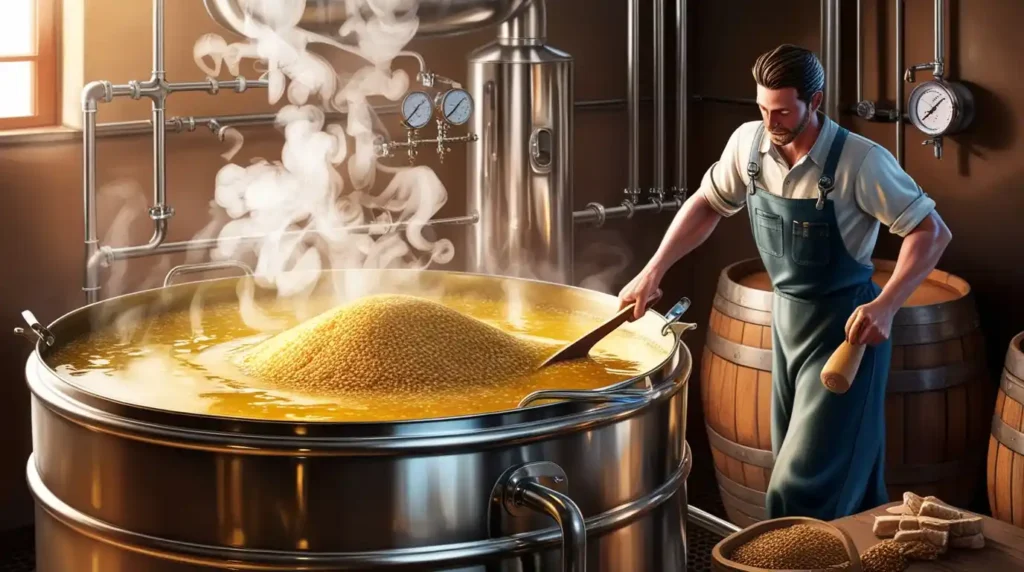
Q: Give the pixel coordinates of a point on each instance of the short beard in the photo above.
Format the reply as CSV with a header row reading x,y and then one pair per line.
x,y
785,136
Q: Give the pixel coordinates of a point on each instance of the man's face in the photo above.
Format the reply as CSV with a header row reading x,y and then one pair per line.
x,y
784,115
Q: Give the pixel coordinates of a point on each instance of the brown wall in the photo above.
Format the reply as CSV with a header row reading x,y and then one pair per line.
x,y
43,220
975,184
978,183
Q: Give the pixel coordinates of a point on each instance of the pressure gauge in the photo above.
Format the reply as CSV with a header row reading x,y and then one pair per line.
x,y
456,105
417,110
938,107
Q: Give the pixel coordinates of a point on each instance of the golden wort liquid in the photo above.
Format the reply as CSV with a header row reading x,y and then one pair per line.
x,y
169,366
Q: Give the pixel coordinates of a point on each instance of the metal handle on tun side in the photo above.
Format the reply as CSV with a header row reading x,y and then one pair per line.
x,y
36,332
206,266
673,315
521,491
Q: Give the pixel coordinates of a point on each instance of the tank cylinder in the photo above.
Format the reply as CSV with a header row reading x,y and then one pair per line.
x,y
520,170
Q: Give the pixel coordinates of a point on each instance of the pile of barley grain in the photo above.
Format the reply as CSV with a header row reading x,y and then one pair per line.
x,y
886,556
390,343
797,547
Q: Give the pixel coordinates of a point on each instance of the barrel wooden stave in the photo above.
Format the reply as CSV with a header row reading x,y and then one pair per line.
x,y
1005,469
738,409
937,412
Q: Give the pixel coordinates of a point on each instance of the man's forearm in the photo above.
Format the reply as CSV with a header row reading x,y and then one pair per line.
x,y
920,252
691,226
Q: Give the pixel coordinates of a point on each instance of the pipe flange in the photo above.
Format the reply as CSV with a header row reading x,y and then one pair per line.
x,y
214,86
600,211
630,208
177,125
242,86
659,203
161,212
108,91
136,89
508,490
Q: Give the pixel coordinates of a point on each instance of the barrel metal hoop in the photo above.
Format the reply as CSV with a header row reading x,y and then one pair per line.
x,y
920,333
280,560
932,378
747,356
744,314
757,457
961,310
1009,437
750,510
1015,356
744,493
918,473
745,296
1012,387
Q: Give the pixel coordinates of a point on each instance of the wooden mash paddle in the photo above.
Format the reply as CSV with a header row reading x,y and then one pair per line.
x,y
582,346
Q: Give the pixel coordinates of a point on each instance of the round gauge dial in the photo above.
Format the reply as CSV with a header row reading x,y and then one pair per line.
x,y
456,106
933,110
941,107
417,110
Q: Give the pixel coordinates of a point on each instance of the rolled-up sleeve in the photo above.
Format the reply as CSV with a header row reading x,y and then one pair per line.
x,y
723,183
886,192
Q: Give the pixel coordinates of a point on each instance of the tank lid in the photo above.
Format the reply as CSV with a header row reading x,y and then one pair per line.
x,y
528,26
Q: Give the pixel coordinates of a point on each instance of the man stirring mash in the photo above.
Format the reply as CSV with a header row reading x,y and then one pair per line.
x,y
815,194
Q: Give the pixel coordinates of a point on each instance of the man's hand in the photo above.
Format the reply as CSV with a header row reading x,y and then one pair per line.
x,y
641,287
920,252
870,324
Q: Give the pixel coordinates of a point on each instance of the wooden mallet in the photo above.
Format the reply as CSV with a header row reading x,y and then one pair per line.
x,y
841,368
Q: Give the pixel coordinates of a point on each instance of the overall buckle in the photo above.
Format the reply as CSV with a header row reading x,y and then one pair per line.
x,y
825,186
753,170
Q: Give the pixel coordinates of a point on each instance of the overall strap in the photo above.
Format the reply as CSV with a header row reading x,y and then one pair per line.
x,y
754,162
828,174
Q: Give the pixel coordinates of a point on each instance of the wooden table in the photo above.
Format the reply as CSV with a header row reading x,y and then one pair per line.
x,y
1003,551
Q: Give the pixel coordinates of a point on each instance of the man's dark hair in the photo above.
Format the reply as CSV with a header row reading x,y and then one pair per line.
x,y
790,66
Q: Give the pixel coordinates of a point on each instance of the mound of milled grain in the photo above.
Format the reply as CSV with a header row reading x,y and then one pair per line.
x,y
391,344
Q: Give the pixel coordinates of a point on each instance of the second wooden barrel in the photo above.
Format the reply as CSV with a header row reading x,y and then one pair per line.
x,y
1006,445
938,408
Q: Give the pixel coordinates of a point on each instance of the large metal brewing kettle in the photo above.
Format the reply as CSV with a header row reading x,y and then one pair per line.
x,y
437,17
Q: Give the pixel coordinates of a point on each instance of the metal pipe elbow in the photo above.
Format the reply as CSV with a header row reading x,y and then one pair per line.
x,y
95,91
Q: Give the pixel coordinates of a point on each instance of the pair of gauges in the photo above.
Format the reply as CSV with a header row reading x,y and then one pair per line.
x,y
455,106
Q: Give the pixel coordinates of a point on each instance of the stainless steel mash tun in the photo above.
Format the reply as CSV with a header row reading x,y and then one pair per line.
x,y
593,481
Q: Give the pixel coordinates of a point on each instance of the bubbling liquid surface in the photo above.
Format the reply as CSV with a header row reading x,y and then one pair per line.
x,y
169,366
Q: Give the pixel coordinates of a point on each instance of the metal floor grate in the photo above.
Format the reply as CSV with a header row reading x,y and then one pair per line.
x,y
17,548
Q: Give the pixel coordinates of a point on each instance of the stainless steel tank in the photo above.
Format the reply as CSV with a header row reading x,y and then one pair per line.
x,y
437,17
520,171
595,481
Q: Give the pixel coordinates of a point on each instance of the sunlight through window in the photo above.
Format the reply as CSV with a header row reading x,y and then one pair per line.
x,y
28,63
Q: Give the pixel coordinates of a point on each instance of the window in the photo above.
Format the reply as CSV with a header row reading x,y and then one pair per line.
x,y
29,94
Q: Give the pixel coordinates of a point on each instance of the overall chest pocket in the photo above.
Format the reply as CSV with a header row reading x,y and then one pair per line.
x,y
768,232
811,243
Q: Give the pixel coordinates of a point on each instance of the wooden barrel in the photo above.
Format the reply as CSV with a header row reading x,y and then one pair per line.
x,y
1006,444
938,407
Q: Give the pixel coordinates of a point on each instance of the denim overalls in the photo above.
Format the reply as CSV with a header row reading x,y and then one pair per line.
x,y
829,449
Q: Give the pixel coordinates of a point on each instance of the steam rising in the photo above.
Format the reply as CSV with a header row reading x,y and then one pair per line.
x,y
301,203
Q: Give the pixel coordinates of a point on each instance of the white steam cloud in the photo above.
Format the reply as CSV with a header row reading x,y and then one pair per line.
x,y
302,204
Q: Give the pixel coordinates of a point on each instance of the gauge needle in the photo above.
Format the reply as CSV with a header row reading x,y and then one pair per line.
x,y
449,114
934,107
414,111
